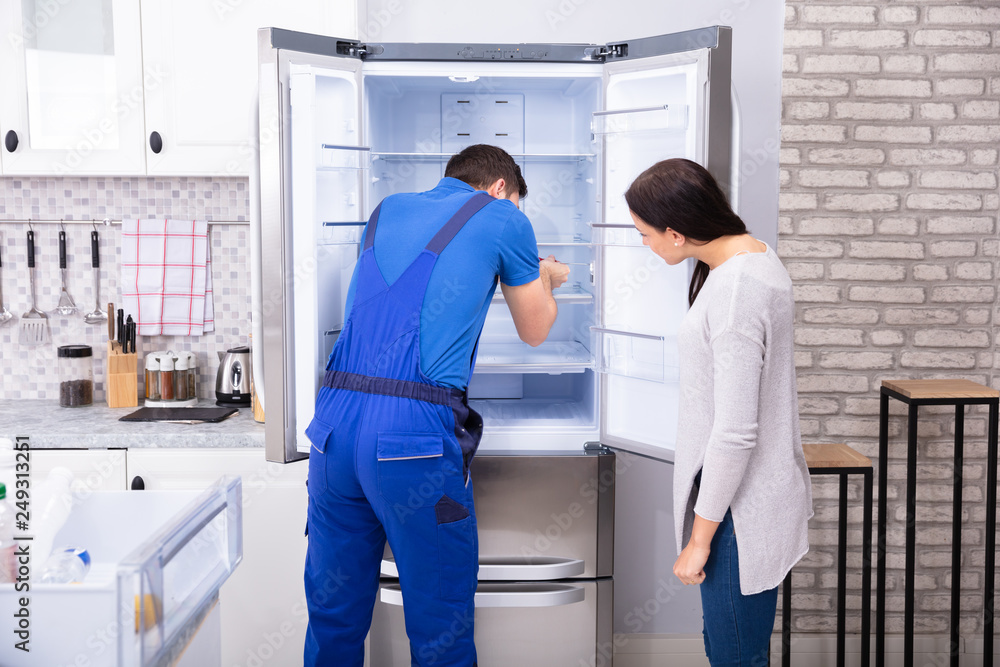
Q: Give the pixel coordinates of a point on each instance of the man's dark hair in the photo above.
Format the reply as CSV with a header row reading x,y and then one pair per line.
x,y
482,165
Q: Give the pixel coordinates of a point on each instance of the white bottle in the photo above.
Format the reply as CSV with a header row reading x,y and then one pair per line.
x,y
66,565
54,503
8,466
8,567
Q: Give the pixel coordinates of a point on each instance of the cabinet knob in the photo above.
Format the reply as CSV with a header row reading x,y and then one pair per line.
x,y
10,141
156,142
138,484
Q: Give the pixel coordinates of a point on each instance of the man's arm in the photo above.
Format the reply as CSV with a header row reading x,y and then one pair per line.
x,y
532,306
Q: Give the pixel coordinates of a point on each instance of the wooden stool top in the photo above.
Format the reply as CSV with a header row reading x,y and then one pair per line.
x,y
834,456
940,389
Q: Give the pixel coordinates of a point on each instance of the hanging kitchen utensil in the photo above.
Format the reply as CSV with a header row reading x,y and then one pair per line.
x,y
5,315
66,305
34,323
97,315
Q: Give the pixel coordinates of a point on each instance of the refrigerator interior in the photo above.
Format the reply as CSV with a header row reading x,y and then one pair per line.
x,y
580,133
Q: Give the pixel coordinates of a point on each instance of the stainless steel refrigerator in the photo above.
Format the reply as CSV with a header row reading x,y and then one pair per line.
x,y
344,124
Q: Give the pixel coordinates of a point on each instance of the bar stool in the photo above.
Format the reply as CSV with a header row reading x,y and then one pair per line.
x,y
840,460
916,393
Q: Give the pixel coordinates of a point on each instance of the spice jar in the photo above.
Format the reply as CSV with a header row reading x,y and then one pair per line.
x,y
192,364
167,377
152,377
181,377
76,375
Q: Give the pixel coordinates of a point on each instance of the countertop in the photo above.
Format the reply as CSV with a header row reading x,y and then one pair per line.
x,y
49,426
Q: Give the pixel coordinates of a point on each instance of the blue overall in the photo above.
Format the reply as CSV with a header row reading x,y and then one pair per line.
x,y
390,460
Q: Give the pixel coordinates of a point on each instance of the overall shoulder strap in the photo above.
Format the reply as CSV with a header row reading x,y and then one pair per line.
x,y
444,236
372,223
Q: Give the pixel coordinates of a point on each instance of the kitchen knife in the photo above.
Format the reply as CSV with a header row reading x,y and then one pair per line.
x,y
111,321
121,328
129,331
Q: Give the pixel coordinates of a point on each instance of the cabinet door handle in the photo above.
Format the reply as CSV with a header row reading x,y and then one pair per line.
x,y
10,141
138,484
156,142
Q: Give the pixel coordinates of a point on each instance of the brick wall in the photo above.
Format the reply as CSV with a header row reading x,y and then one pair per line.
x,y
888,228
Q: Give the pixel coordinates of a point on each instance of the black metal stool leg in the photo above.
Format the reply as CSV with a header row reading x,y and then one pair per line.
x,y
956,532
991,534
786,621
842,572
911,534
883,479
866,574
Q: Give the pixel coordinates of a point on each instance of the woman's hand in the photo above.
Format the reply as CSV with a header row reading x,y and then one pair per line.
x,y
690,565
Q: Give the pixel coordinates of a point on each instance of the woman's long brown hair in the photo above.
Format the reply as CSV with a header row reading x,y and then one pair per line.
x,y
682,195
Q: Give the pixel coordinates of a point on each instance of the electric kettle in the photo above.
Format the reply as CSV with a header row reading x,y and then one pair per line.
x,y
232,385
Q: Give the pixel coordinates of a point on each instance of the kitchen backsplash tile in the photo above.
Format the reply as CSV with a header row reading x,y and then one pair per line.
x,y
31,372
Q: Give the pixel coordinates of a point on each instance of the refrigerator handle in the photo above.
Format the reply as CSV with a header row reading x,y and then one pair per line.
x,y
550,595
514,568
256,290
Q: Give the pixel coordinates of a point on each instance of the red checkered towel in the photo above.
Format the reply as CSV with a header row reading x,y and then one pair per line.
x,y
167,277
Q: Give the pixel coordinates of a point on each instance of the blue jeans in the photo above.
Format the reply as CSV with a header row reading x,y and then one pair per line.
x,y
737,627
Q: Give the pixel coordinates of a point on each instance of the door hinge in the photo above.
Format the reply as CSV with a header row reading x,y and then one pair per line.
x,y
611,51
357,49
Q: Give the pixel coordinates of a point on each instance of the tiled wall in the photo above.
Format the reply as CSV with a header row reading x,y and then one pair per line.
x,y
31,372
888,227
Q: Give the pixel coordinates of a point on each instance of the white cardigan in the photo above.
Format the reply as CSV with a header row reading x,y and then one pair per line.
x,y
739,418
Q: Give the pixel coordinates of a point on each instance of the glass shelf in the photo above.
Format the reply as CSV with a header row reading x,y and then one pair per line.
x,y
530,157
553,357
574,294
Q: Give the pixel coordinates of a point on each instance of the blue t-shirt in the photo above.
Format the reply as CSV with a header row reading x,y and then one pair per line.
x,y
497,242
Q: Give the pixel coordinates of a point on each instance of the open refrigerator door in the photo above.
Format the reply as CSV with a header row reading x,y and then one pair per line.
x,y
659,104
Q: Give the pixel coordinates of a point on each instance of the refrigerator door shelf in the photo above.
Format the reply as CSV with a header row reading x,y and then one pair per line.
x,y
660,118
512,568
510,596
637,355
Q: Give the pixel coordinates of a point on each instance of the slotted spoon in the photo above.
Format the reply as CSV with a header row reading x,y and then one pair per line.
x,y
34,323
5,315
66,305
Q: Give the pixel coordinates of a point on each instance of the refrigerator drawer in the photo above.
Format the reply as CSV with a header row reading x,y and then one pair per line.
x,y
531,624
542,516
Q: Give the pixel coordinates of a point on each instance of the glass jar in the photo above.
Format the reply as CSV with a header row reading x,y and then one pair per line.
x,y
181,378
152,377
76,375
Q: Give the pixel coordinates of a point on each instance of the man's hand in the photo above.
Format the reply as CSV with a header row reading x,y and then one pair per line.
x,y
553,273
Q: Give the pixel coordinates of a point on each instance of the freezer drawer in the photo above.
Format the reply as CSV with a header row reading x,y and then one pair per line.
x,y
529,624
542,516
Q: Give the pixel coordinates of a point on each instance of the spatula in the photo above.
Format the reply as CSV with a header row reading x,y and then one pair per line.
x,y
66,305
34,323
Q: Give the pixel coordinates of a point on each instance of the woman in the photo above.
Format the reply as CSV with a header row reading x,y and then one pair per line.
x,y
742,496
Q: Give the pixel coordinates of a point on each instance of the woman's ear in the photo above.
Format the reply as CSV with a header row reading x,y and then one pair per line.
x,y
675,238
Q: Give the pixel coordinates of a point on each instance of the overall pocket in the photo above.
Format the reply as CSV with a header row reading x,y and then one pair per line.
x,y
412,470
319,433
457,551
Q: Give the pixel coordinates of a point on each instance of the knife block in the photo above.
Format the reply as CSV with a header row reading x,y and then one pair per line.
x,y
122,386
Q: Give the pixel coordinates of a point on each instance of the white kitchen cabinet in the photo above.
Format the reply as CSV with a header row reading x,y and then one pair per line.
x,y
73,81
204,55
263,603
94,469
